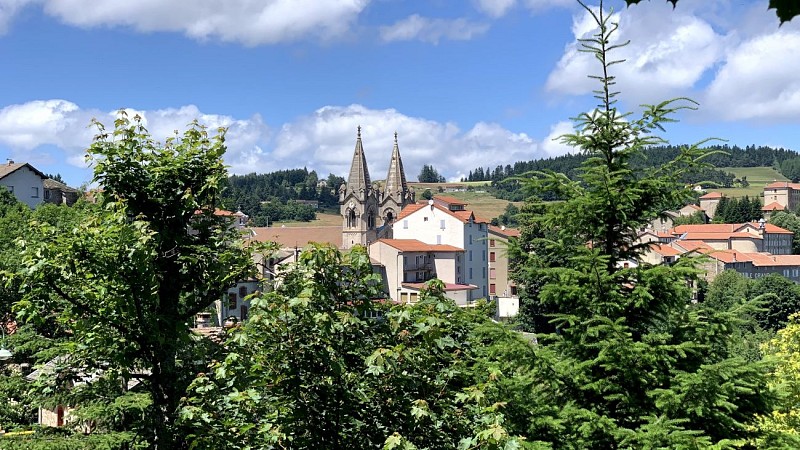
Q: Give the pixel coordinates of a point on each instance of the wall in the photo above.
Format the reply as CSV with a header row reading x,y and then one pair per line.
x,y
24,181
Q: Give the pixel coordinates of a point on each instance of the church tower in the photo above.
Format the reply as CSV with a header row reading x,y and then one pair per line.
x,y
358,202
396,193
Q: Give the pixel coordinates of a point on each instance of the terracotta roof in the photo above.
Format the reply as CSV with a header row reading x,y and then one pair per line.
x,y
289,237
694,207
719,236
729,256
507,232
782,185
463,216
692,245
726,228
664,250
770,228
773,207
711,195
413,245
763,259
10,167
447,286
449,200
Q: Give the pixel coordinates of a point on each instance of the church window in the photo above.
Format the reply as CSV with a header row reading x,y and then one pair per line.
x,y
351,219
371,220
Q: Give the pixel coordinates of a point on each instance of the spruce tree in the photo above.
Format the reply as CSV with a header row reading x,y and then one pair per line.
x,y
633,362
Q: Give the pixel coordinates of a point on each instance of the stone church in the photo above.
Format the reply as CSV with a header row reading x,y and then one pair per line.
x,y
367,211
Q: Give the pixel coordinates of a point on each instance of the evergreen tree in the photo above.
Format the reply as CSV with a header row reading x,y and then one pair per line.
x,y
634,363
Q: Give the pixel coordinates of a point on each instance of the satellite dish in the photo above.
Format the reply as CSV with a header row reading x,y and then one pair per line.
x,y
430,202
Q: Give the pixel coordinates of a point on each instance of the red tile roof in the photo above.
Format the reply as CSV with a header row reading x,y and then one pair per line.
x,y
711,195
774,206
692,245
664,250
413,245
449,200
782,185
463,216
289,237
507,232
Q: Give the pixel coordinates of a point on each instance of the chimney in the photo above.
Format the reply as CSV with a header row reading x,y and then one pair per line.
x,y
10,161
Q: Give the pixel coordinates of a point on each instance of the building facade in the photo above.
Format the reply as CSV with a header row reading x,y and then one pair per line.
x,y
24,181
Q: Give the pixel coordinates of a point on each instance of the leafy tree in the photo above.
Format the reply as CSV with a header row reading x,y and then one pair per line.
x,y
427,195
694,219
636,364
780,297
130,279
429,175
786,10
320,364
791,222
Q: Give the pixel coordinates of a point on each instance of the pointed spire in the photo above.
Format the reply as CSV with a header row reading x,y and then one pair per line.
x,y
396,178
359,174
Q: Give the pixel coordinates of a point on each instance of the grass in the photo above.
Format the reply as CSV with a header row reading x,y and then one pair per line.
x,y
758,177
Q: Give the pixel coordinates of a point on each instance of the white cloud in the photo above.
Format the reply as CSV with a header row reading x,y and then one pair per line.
x,y
552,144
8,9
416,27
669,52
322,140
245,21
325,140
759,80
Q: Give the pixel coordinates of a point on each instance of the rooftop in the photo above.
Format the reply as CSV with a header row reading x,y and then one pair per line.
x,y
413,245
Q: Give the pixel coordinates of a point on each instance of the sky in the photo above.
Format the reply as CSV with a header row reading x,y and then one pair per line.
x,y
464,83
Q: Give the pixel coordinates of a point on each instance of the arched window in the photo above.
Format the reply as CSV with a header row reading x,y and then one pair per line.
x,y
351,219
389,217
371,220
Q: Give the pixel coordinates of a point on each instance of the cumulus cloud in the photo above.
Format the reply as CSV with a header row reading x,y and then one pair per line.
x,y
552,144
326,138
416,27
323,140
244,21
759,79
668,53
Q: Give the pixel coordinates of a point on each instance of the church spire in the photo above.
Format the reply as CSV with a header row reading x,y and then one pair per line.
x,y
396,178
359,174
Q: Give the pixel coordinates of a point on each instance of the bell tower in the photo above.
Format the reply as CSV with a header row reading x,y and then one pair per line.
x,y
396,193
358,202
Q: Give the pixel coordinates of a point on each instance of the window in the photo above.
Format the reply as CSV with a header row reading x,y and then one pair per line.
x,y
470,255
424,219
470,273
493,273
492,289
412,298
514,291
10,189
470,239
242,291
438,239
34,192
491,242
47,195
483,255
441,224
405,224
491,256
483,272
232,300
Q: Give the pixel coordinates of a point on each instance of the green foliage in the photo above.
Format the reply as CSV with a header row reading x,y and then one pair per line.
x,y
427,195
320,364
788,221
695,219
634,364
780,298
429,175
128,279
732,210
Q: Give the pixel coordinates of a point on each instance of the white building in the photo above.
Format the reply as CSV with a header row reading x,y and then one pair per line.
x,y
24,181
445,221
409,263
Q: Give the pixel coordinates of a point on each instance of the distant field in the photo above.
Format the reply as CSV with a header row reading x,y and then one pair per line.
x,y
758,177
324,219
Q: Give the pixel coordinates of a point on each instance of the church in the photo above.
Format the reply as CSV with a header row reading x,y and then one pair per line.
x,y
367,210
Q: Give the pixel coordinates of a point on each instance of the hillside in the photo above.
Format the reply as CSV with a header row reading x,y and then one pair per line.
x,y
758,177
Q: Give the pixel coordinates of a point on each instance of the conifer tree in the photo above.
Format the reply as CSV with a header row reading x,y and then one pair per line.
x,y
635,364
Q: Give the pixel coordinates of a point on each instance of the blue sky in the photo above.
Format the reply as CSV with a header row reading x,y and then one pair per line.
x,y
464,83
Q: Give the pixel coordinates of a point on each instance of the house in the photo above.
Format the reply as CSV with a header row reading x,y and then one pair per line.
x,y
444,220
750,237
709,203
502,289
409,263
24,181
59,193
784,193
768,210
